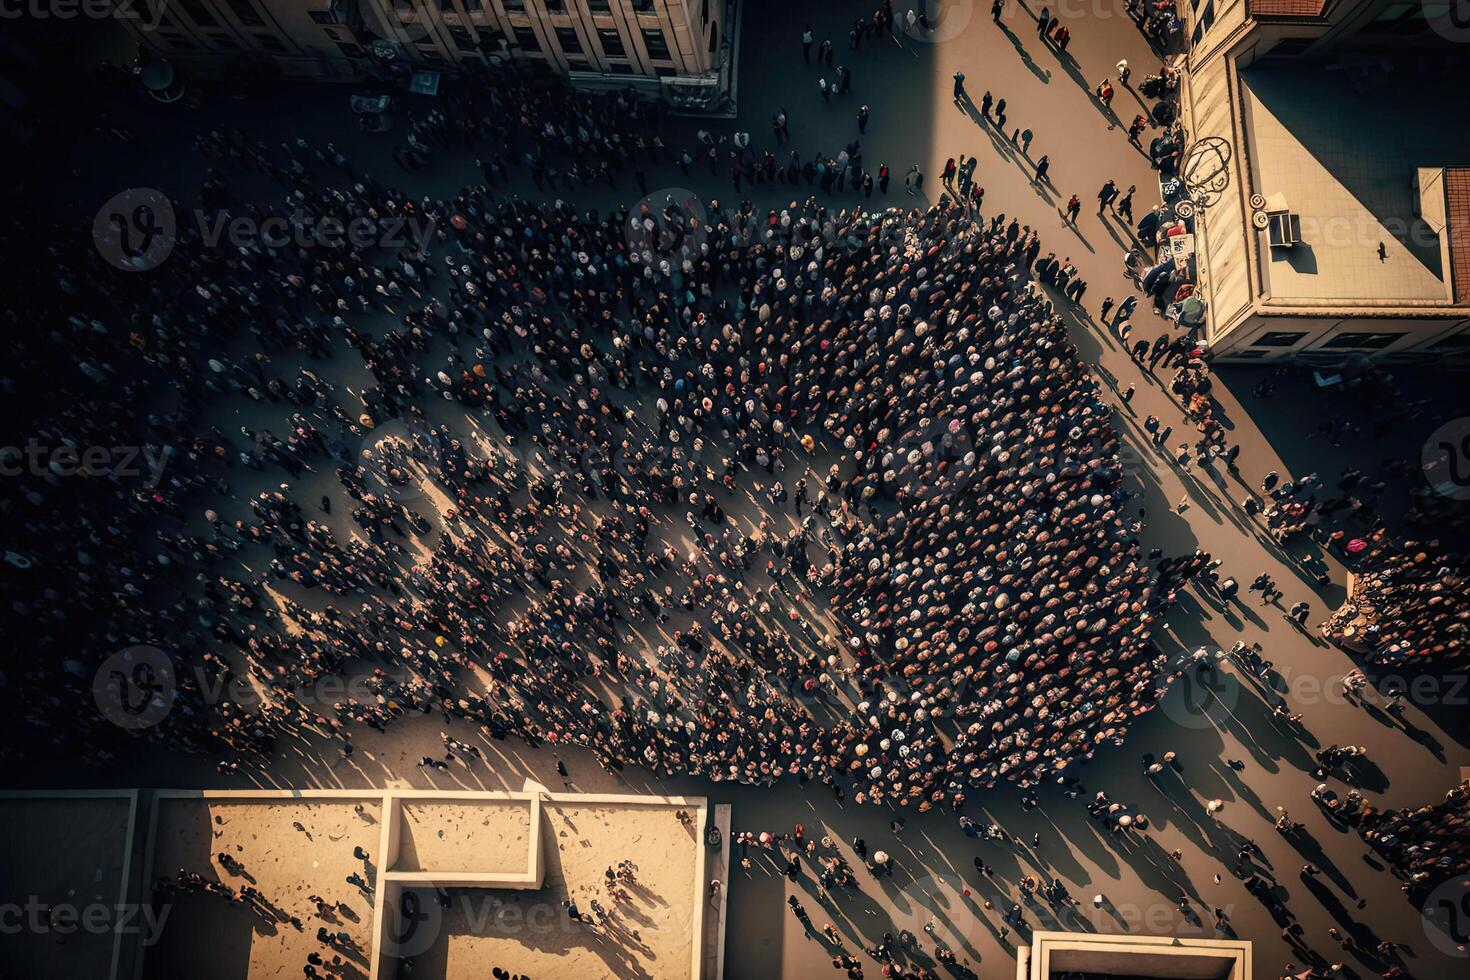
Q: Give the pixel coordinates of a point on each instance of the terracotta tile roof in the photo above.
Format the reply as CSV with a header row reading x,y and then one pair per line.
x,y
1287,8
1457,220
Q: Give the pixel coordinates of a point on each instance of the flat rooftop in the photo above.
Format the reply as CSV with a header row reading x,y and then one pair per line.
x,y
63,869
1340,147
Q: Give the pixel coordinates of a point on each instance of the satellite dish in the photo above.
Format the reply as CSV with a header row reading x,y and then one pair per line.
x,y
1261,220
1258,202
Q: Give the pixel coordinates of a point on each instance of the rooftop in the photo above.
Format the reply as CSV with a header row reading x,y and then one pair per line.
x,y
1356,187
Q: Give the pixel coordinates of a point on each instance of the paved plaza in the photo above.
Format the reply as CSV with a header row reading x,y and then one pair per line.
x,y
1228,744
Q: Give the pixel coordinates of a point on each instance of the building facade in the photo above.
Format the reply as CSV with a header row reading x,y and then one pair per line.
x,y
680,50
1340,225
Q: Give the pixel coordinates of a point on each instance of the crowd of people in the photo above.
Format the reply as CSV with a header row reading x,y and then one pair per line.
x,y
1426,844
567,419
1409,606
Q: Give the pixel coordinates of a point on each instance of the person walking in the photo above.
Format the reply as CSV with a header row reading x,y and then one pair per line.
x,y
1124,208
862,119
1123,72
824,88
883,176
806,45
1043,21
1106,194
959,88
997,7
1042,167
1074,208
1104,92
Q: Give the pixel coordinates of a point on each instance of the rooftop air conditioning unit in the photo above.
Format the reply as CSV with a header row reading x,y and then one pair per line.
x,y
1284,229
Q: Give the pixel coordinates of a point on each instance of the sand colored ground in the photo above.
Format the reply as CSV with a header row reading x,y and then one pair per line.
x,y
491,836
650,935
59,853
291,851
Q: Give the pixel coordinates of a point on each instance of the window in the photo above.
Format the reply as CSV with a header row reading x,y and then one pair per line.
x,y
350,50
1278,338
225,43
612,42
643,6
599,6
665,71
704,12
1363,341
326,17
515,5
714,38
567,38
1240,354
463,39
271,44
620,68
246,13
526,39
556,6
473,6
658,48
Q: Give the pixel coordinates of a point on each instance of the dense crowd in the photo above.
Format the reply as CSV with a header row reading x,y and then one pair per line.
x,y
848,460
1409,605
1426,845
